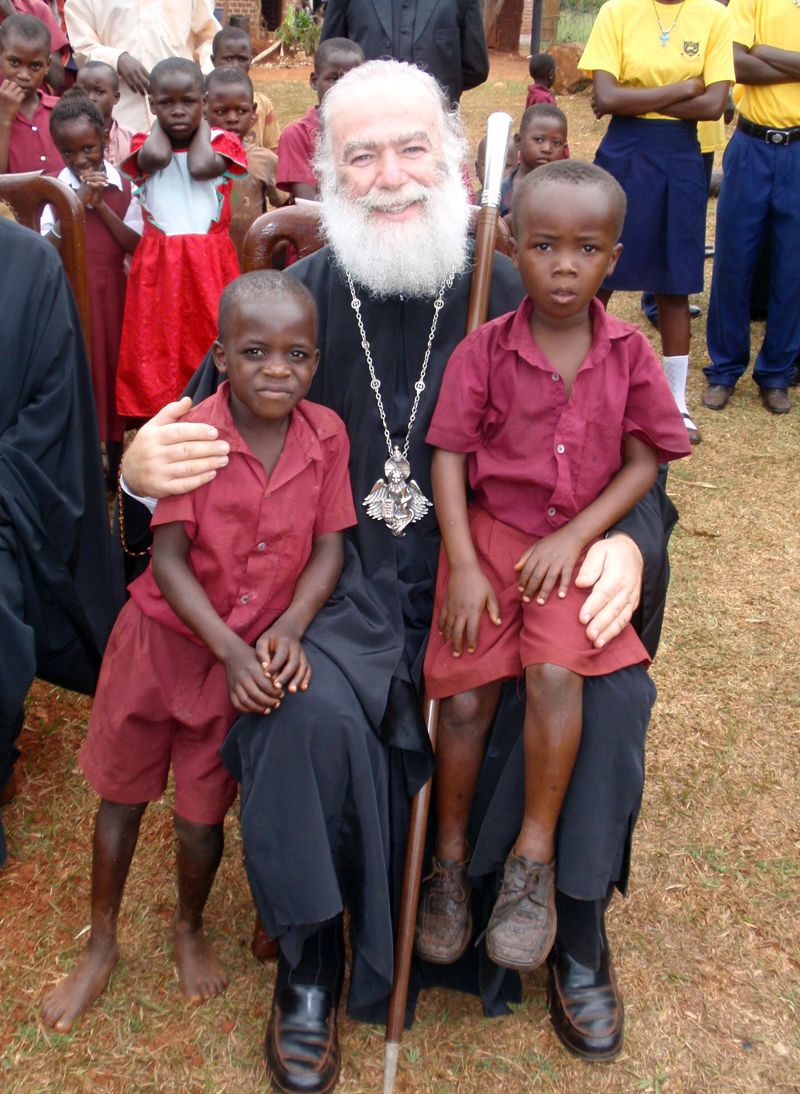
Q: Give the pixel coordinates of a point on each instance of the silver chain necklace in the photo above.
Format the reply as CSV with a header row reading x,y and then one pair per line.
x,y
666,31
397,500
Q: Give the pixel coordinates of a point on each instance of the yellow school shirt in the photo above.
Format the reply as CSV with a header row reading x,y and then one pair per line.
x,y
768,23
626,41
711,135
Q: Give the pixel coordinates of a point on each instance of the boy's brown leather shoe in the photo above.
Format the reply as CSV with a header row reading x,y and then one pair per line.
x,y
302,1047
522,926
585,1006
444,919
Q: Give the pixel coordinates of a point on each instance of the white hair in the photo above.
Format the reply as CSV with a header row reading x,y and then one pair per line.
x,y
395,73
411,257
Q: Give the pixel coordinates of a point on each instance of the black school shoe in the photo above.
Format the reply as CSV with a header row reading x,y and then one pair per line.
x,y
585,1006
301,1048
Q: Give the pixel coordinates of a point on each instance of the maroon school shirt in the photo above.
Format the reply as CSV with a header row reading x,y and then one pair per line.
x,y
538,94
536,456
31,147
296,150
42,12
251,537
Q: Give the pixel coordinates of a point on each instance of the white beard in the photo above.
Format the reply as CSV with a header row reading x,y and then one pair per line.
x,y
411,257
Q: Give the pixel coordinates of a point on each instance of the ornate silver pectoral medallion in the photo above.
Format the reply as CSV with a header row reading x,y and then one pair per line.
x,y
395,500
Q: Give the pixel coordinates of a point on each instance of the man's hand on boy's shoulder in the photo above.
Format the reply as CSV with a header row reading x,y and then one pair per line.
x,y
168,456
11,99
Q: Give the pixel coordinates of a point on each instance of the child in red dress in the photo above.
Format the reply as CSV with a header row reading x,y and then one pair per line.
x,y
556,415
240,568
113,227
183,172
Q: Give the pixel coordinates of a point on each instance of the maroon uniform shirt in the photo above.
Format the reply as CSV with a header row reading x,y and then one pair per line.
x,y
536,456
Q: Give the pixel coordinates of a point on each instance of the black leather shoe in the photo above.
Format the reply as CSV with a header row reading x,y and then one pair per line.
x,y
585,1006
301,1047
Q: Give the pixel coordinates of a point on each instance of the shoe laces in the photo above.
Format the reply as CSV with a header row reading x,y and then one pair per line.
x,y
447,877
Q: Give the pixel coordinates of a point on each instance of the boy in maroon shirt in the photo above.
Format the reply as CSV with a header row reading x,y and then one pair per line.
x,y
542,68
556,415
298,142
25,141
240,568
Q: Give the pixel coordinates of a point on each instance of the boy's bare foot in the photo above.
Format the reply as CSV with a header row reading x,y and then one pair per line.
x,y
200,972
68,1000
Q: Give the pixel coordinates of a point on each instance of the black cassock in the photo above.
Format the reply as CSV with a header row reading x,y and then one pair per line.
x,y
324,805
58,590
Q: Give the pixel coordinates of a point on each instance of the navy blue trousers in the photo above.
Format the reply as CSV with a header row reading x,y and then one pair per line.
x,y
758,201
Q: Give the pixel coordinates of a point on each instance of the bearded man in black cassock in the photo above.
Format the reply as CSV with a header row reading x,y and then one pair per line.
x,y
326,779
58,593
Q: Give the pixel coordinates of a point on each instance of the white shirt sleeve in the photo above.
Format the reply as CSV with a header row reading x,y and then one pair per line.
x,y
149,502
82,20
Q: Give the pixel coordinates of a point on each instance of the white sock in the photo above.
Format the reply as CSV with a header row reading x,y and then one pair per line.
x,y
676,369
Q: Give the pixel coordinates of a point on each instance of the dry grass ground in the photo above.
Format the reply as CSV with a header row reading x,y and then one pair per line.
x,y
707,944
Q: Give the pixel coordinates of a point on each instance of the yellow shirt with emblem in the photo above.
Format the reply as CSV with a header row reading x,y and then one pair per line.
x,y
626,40
768,23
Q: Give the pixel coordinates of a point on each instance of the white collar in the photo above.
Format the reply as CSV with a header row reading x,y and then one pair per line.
x,y
112,174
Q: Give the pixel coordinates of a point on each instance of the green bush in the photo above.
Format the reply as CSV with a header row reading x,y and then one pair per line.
x,y
299,31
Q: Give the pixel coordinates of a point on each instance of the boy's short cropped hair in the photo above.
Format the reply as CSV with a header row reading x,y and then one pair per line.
x,y
171,66
541,65
542,110
229,34
261,287
100,67
326,49
572,173
229,77
27,27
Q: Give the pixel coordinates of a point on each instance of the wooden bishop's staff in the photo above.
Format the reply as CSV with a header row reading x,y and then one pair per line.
x,y
498,130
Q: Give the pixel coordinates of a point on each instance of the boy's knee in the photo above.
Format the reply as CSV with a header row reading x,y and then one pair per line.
x,y
195,836
464,715
542,681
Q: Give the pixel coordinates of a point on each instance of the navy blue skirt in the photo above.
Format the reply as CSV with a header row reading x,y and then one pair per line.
x,y
659,166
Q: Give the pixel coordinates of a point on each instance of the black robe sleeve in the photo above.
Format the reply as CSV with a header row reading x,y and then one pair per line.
x,y
51,478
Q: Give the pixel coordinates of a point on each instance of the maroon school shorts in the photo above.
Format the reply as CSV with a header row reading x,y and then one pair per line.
x,y
161,701
530,634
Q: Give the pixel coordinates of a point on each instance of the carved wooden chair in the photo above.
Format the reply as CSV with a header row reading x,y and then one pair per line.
x,y
270,235
27,195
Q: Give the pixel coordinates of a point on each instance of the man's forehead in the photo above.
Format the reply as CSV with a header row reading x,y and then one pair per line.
x,y
378,116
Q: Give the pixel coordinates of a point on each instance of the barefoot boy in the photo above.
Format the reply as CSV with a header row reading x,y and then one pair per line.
x,y
557,416
240,568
